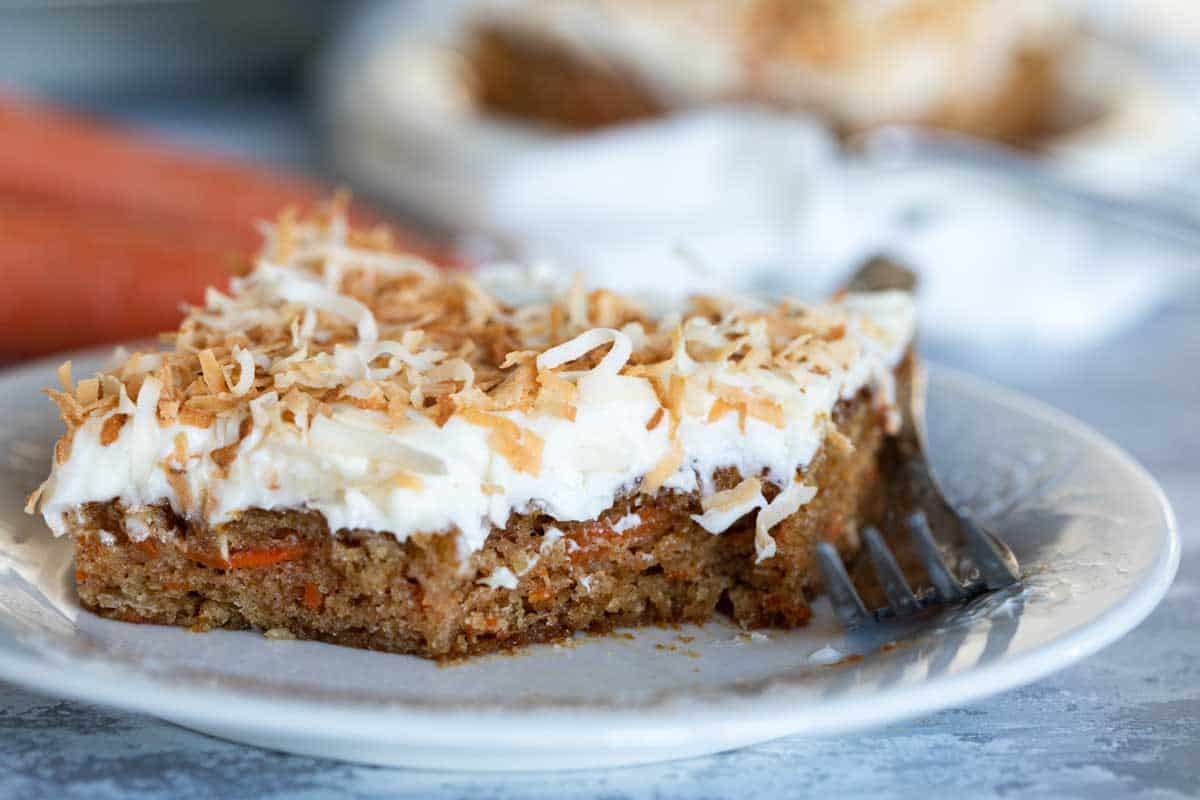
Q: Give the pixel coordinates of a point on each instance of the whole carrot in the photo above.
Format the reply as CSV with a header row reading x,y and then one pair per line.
x,y
104,233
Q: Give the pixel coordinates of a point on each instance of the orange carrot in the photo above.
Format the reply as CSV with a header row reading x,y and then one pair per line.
x,y
264,558
103,233
248,559
313,599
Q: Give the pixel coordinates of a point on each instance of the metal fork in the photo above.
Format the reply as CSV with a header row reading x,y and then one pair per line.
x,y
989,564
992,566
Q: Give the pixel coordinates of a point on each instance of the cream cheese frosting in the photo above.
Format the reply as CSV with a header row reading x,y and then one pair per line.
x,y
335,412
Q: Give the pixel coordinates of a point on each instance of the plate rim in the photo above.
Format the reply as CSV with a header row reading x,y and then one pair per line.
x,y
687,720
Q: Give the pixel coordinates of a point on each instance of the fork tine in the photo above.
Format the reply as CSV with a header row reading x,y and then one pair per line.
x,y
949,589
899,595
846,602
996,570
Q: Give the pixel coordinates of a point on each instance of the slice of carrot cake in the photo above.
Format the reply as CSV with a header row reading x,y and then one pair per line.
x,y
357,447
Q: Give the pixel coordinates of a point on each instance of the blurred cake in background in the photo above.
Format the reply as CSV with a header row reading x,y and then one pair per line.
x,y
984,67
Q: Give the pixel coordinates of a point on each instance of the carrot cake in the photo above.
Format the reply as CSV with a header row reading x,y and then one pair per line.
x,y
980,66
354,446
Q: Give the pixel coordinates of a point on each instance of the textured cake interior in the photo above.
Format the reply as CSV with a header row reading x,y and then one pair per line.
x,y
283,570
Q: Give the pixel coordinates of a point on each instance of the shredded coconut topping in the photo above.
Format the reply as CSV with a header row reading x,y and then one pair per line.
x,y
584,343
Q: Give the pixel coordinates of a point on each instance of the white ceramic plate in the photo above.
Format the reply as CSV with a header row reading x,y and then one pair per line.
x,y
1092,530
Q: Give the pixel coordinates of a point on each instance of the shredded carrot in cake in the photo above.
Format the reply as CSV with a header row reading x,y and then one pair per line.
x,y
249,559
313,599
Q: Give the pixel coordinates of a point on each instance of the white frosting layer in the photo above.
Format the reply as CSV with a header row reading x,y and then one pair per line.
x,y
341,467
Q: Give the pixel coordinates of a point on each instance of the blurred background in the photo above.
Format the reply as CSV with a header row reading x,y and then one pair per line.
x,y
1036,162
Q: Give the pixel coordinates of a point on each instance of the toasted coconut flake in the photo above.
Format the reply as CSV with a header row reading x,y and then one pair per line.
x,y
211,369
245,382
443,410
87,392
719,409
557,395
785,504
722,509
196,418
834,332
565,411
557,386
213,404
298,404
179,451
62,448
674,399
521,448
287,286
747,404
111,430
407,480
616,358
766,410
748,489
667,466
515,357
64,377
68,408
183,490
655,418
517,391
31,502
224,456
168,411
